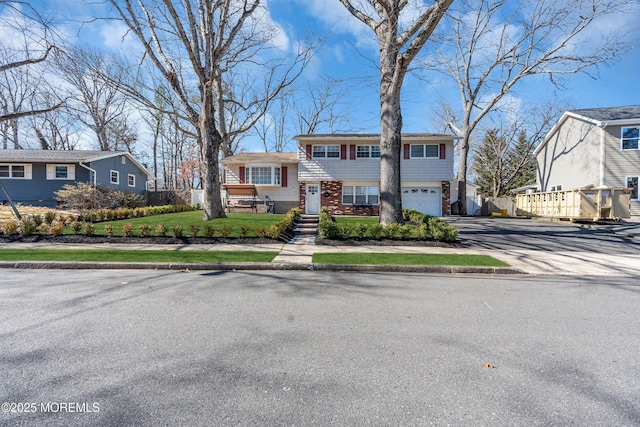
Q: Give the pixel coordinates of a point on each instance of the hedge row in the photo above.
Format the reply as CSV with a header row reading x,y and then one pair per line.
x,y
99,215
37,225
421,227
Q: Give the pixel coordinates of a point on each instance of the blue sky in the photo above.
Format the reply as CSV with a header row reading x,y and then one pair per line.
x,y
349,53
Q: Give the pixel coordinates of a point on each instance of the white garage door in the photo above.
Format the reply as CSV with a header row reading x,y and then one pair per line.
x,y
427,200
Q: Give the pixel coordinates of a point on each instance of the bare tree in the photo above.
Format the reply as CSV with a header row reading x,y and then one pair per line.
x,y
57,128
97,100
488,46
398,46
29,47
195,45
305,109
321,105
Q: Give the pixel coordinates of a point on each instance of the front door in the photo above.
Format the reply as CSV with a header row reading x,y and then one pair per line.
x,y
312,199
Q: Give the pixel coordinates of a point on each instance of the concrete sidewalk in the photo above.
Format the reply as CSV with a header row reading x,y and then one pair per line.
x,y
299,257
290,257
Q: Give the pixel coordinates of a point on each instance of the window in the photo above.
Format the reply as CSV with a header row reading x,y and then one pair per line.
x,y
262,175
360,195
630,137
115,177
60,172
326,151
15,171
429,151
632,184
131,179
368,151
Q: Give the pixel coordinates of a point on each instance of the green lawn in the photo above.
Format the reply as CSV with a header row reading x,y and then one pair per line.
x,y
408,259
357,219
187,219
115,255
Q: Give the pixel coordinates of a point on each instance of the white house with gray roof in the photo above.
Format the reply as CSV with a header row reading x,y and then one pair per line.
x,y
32,177
342,172
595,147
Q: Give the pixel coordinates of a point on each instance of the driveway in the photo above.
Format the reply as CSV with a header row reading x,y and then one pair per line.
x,y
544,247
313,349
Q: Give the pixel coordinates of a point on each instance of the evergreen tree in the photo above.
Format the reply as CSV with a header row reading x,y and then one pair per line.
x,y
501,164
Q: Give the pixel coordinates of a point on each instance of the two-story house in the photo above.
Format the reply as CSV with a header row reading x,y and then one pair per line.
x,y
596,147
342,172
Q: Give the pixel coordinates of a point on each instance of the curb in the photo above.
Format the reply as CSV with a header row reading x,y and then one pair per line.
x,y
434,269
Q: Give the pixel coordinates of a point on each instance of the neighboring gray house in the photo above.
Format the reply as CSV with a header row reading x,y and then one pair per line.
x,y
596,147
31,177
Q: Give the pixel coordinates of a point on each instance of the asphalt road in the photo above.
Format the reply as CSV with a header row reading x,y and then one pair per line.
x,y
312,348
544,247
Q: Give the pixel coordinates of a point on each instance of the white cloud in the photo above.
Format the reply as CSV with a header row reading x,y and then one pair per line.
x,y
265,24
114,35
333,15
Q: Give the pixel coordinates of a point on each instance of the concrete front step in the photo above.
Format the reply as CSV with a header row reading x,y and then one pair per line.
x,y
305,231
307,226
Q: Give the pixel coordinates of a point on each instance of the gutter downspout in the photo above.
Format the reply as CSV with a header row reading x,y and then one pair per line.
x,y
90,170
603,154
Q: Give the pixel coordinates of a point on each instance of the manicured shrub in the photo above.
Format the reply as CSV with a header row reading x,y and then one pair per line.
x,y
423,232
127,230
56,228
345,230
391,230
361,230
261,232
376,230
405,232
327,227
178,231
49,217
161,230
76,227
194,229
144,230
29,226
226,230
89,229
442,231
10,227
108,230
38,220
244,230
209,231
43,229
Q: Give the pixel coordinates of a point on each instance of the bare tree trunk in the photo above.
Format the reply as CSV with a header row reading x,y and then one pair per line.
x,y
390,142
397,49
210,151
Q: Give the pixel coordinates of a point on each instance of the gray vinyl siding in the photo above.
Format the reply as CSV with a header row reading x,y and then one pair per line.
x,y
571,157
429,169
38,191
621,164
103,170
368,169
